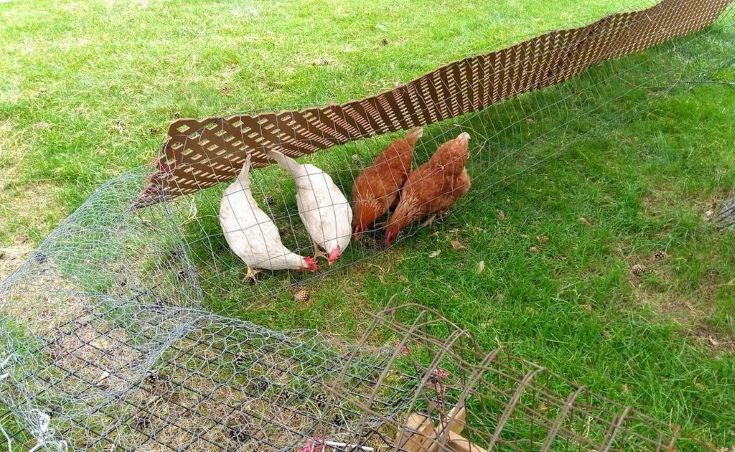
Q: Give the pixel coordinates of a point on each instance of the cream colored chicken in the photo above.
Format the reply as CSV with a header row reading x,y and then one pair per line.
x,y
323,207
251,234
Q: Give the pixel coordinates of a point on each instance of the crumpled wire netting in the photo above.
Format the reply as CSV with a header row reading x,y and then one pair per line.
x,y
112,334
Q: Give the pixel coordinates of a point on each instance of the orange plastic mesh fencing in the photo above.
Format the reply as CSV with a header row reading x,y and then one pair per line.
x,y
202,153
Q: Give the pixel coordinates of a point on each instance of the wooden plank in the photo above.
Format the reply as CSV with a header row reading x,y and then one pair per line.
x,y
457,419
458,443
454,422
414,434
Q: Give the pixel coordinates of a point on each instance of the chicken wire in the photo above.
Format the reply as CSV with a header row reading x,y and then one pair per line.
x,y
115,332
202,153
726,216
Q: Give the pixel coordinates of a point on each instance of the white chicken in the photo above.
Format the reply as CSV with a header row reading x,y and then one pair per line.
x,y
323,207
251,234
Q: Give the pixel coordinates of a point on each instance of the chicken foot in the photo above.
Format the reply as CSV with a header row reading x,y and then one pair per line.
x,y
318,251
437,217
251,275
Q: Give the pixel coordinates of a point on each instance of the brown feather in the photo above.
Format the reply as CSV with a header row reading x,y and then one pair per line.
x,y
376,189
434,187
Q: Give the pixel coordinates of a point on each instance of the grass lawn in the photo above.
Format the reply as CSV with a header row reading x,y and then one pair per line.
x,y
601,264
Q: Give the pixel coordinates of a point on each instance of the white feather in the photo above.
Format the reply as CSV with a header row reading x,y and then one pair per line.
x,y
250,232
323,208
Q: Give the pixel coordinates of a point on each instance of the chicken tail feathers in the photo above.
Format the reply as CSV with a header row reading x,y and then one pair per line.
x,y
283,161
245,171
413,136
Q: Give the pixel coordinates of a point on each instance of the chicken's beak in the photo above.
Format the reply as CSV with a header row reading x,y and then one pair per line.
x,y
334,255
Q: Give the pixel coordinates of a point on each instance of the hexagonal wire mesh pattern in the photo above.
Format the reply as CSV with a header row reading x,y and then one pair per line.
x,y
114,334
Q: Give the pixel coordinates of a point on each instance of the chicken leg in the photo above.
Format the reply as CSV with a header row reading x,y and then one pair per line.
x,y
251,276
436,217
318,251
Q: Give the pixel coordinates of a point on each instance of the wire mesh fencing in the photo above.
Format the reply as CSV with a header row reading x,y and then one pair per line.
x,y
116,335
223,384
726,216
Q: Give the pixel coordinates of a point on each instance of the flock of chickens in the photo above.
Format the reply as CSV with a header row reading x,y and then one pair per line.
x,y
325,212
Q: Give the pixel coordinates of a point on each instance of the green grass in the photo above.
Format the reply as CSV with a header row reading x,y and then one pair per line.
x,y
88,88
86,91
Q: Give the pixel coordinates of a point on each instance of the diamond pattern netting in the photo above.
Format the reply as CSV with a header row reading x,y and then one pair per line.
x,y
203,153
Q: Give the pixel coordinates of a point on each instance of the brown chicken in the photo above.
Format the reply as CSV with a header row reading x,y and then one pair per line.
x,y
376,189
433,187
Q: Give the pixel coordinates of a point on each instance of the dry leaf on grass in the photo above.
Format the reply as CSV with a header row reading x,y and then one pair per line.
x,y
457,246
480,267
435,253
585,221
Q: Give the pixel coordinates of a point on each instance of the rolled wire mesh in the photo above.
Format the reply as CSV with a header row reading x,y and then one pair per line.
x,y
115,333
726,216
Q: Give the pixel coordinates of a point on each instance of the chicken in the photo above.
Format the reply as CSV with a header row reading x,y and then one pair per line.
x,y
376,189
251,234
433,187
323,207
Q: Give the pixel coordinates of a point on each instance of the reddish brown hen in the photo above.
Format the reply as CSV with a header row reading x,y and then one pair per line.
x,y
433,187
376,189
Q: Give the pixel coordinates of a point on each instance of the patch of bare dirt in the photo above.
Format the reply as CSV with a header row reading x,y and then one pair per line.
x,y
25,206
97,354
41,301
653,285
714,340
11,257
238,395
707,207
22,205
